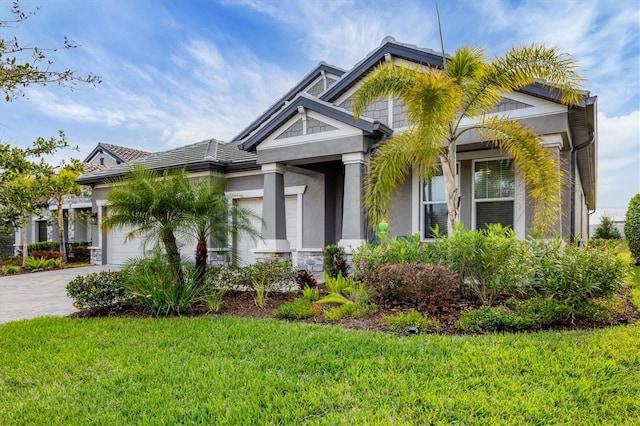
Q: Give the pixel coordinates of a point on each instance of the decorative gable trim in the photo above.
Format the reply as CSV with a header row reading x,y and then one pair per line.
x,y
367,125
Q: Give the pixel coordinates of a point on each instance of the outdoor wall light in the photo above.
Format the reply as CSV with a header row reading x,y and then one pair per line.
x,y
94,218
383,227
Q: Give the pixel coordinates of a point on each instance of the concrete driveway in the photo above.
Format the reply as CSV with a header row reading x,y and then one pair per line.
x,y
41,293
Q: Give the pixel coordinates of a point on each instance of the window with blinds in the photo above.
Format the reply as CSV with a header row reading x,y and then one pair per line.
x,y
434,205
494,192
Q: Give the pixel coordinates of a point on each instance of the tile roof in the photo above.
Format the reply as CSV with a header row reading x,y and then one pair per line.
x,y
210,154
121,153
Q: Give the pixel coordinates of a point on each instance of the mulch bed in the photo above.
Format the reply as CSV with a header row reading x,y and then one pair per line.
x,y
241,304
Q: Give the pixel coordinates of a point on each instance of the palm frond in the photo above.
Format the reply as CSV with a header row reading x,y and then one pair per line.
x,y
536,163
520,67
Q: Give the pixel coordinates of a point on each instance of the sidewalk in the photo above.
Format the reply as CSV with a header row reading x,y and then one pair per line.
x,y
41,293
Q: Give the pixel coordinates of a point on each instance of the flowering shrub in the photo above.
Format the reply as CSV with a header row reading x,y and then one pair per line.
x,y
98,292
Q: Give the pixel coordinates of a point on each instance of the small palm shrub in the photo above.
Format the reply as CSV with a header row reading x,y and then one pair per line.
x,y
35,264
400,322
350,296
428,285
632,228
157,287
214,298
103,291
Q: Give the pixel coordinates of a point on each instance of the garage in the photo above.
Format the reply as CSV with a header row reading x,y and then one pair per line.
x,y
119,250
246,244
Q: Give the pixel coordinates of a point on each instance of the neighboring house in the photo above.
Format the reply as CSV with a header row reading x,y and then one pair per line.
x,y
301,165
77,209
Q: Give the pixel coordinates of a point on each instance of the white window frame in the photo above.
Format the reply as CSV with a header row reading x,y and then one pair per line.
x,y
488,200
422,203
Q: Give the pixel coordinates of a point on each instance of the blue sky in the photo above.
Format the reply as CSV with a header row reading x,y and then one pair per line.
x,y
177,72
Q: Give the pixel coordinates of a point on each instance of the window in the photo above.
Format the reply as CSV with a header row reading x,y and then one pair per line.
x,y
494,192
42,230
434,205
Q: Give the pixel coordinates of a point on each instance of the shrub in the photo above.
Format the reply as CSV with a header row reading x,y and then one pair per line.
x,y
228,276
528,314
428,285
369,258
297,309
311,294
607,230
99,292
80,253
574,275
213,299
335,261
156,286
400,322
35,264
334,314
264,277
11,269
632,228
46,254
305,278
43,246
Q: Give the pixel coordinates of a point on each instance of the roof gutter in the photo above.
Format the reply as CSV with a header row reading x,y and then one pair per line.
x,y
574,160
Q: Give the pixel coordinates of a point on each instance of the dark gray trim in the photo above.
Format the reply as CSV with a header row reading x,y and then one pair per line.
x,y
324,108
402,51
550,94
322,66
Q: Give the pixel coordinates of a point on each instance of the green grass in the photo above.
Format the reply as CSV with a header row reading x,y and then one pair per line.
x,y
224,370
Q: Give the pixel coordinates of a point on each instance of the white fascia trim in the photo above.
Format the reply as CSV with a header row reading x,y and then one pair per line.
x,y
274,168
310,250
259,193
101,203
353,158
80,205
553,141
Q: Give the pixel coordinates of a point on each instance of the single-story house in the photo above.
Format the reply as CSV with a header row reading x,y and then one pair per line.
x,y
77,209
301,165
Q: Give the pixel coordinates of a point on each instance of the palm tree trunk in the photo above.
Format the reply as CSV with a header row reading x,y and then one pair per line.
x,y
448,163
173,254
201,261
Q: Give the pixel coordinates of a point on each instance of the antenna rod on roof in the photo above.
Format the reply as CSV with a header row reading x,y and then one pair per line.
x,y
444,60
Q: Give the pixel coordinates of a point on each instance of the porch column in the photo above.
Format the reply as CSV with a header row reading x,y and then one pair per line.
x,y
353,215
274,242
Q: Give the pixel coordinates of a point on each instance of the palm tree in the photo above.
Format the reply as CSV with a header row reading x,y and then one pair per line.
x,y
153,205
438,100
211,218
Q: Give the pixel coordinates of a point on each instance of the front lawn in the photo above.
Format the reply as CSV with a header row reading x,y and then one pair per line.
x,y
225,370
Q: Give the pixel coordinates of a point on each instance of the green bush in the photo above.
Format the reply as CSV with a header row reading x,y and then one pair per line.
x,y
11,269
43,246
607,230
297,309
214,298
157,287
335,261
528,314
264,277
103,291
574,275
35,264
490,262
80,253
632,228
369,258
400,322
428,285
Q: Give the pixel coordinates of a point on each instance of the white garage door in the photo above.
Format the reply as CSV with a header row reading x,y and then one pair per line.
x,y
245,244
119,250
